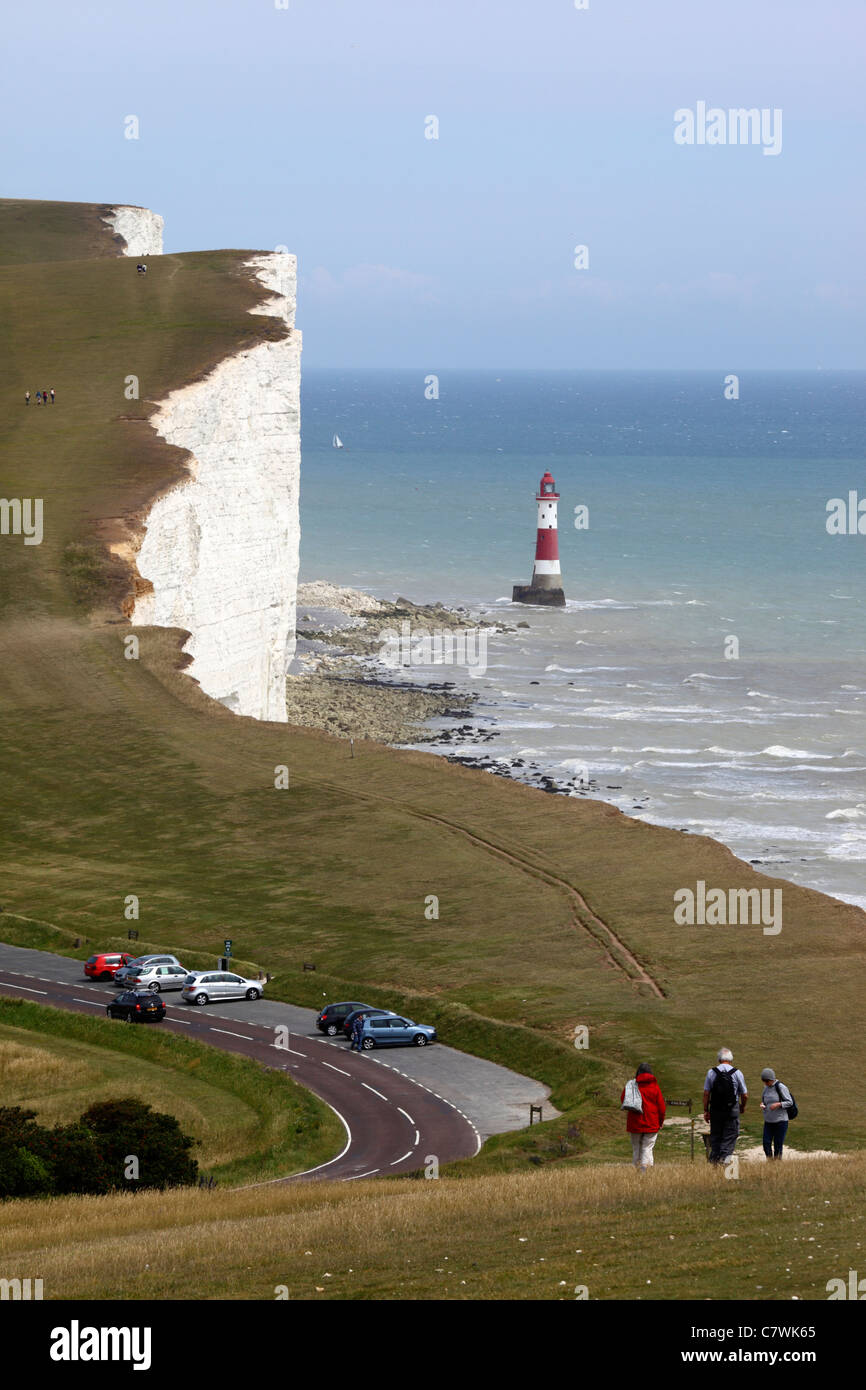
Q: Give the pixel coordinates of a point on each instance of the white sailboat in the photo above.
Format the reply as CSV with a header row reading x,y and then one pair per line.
x,y
337,442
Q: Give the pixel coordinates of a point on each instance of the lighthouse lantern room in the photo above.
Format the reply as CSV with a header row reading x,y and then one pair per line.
x,y
546,585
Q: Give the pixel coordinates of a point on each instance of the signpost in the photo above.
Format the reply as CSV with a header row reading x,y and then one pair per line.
x,y
691,1120
228,945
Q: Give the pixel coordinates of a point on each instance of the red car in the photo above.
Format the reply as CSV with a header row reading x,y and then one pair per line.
x,y
104,965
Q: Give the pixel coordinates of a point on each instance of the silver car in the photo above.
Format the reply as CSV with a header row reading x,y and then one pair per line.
x,y
156,978
133,968
212,986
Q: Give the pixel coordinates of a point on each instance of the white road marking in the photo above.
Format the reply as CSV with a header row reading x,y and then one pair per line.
x,y
406,1113
293,1050
417,1139
400,1160
361,1175
76,1000
8,985
228,1032
339,1069
375,1092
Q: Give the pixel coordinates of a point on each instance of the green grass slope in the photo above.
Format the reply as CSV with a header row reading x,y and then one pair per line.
x,y
119,777
46,231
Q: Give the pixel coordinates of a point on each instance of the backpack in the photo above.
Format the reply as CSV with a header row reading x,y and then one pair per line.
x,y
794,1110
632,1100
723,1095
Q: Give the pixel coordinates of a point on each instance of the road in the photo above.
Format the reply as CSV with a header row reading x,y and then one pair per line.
x,y
399,1108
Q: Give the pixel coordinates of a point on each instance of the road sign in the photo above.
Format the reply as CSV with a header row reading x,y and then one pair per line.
x,y
228,945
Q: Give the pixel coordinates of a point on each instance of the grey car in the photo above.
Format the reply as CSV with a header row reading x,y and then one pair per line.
x,y
129,972
156,978
212,986
395,1031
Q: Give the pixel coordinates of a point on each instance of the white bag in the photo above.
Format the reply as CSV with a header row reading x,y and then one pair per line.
x,y
632,1100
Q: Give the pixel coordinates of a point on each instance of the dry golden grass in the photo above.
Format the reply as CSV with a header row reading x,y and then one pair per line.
x,y
682,1231
27,1072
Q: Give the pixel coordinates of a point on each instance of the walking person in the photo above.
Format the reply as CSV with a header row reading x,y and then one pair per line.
x,y
775,1103
38,397
52,395
725,1097
26,397
643,1125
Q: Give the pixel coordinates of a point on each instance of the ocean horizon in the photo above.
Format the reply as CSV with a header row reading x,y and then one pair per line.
x,y
707,521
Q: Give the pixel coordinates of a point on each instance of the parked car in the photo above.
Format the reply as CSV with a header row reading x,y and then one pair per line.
x,y
105,964
157,977
350,1018
125,975
212,986
136,1006
332,1017
395,1031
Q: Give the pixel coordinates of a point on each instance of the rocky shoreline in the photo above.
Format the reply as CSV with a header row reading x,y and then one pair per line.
x,y
339,681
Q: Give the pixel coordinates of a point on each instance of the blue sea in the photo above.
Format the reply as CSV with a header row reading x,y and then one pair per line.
x,y
707,521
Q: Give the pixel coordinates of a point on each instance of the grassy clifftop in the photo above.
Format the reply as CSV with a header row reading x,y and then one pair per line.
x,y
31,232
119,777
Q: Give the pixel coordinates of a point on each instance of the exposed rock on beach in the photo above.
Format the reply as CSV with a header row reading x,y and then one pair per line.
x,y
339,681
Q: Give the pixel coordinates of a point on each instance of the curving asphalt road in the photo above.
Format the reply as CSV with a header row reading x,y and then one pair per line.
x,y
421,1103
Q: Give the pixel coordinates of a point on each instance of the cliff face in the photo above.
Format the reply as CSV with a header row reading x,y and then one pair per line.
x,y
140,228
221,550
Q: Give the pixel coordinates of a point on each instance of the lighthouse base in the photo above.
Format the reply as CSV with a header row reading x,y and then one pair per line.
x,y
529,593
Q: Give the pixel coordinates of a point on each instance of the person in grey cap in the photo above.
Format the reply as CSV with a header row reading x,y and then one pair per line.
x,y
775,1103
725,1096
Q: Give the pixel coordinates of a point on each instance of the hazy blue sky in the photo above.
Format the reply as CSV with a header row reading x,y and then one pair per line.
x,y
305,127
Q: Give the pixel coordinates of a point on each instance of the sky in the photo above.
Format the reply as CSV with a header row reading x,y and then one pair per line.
x,y
306,127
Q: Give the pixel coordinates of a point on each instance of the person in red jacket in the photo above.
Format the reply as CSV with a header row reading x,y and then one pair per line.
x,y
644,1127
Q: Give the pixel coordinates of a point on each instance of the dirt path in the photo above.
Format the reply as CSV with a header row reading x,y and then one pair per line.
x,y
616,953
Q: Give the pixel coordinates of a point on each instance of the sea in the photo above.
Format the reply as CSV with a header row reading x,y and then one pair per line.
x,y
708,670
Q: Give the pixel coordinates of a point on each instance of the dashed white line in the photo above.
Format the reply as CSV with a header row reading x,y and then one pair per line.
x,y
228,1032
339,1069
400,1160
361,1175
406,1113
417,1139
8,985
375,1092
76,1000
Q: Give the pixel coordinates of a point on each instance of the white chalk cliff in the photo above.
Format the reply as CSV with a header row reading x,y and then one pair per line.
x,y
140,228
221,550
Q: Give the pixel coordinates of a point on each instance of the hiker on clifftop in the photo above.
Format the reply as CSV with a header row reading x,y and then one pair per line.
x,y
775,1104
643,1125
725,1096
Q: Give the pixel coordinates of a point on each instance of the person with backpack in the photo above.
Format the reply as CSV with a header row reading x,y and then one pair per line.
x,y
725,1097
777,1104
643,1125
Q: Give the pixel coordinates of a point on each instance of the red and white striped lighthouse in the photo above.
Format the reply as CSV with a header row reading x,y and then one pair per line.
x,y
546,586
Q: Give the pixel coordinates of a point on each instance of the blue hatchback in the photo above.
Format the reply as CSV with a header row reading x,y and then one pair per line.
x,y
394,1031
